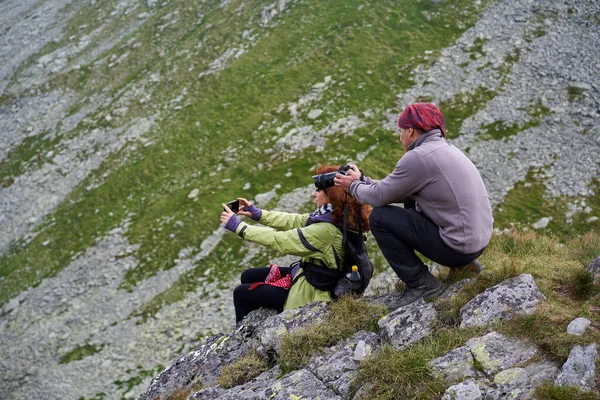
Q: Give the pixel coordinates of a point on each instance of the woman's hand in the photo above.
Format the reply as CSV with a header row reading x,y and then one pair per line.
x,y
226,215
244,204
249,210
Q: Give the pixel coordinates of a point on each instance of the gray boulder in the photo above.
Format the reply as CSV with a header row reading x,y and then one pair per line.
x,y
495,352
295,385
271,331
578,326
407,324
337,366
455,366
248,390
580,368
203,364
466,390
594,270
520,383
515,295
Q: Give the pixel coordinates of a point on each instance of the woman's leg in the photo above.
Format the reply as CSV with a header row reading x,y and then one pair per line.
x,y
266,296
253,275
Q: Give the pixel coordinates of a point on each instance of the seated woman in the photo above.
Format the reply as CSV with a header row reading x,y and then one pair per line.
x,y
315,237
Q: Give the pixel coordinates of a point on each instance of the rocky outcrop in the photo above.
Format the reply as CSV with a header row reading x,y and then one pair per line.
x,y
516,295
492,366
580,368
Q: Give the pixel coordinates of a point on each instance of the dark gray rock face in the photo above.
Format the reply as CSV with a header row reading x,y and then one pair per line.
x,y
580,368
516,295
271,331
338,366
594,270
203,364
408,324
295,385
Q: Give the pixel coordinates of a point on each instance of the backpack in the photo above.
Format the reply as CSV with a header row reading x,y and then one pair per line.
x,y
355,254
355,251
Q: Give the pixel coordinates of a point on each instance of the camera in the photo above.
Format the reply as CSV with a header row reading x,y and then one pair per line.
x,y
323,181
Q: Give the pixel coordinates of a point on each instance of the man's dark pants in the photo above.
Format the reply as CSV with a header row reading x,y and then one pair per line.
x,y
400,231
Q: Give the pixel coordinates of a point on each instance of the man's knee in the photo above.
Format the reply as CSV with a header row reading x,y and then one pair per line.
x,y
375,216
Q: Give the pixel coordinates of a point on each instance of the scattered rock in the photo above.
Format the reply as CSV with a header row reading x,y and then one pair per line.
x,y
495,352
407,324
580,368
194,193
594,270
515,295
578,326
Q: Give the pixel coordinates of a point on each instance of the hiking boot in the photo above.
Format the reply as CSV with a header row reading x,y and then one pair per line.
x,y
474,267
427,286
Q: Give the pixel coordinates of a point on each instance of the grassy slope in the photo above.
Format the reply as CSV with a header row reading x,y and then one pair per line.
x,y
370,50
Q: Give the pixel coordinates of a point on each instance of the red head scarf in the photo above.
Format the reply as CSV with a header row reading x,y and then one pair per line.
x,y
423,116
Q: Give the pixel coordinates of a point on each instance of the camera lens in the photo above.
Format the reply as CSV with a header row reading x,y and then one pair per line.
x,y
323,181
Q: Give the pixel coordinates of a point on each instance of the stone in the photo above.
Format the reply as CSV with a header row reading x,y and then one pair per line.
x,y
515,295
467,390
594,270
271,332
520,383
339,359
578,326
455,365
408,324
542,223
580,368
194,193
315,113
495,352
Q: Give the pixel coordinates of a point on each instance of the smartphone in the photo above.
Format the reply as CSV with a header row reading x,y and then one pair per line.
x,y
234,205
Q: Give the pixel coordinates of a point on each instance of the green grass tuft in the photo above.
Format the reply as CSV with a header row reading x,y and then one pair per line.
x,y
348,316
550,391
242,370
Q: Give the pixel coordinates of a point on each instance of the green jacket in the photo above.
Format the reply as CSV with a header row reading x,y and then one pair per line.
x,y
318,243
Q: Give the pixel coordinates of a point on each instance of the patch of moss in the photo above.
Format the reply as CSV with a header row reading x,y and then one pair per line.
x,y
499,130
79,353
463,106
574,93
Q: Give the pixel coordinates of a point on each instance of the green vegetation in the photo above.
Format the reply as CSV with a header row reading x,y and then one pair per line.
x,y
552,392
405,374
463,106
500,131
242,370
527,203
141,373
347,316
574,93
79,353
476,50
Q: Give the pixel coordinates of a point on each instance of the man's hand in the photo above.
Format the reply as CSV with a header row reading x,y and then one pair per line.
x,y
345,180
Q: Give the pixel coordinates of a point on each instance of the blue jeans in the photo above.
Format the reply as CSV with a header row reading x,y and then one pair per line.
x,y
400,231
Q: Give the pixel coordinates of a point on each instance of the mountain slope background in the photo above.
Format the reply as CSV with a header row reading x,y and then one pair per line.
x,y
125,124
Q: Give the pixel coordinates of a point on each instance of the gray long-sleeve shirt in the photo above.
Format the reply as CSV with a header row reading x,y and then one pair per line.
x,y
446,187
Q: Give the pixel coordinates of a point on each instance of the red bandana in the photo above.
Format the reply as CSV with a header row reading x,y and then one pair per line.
x,y
274,279
423,116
